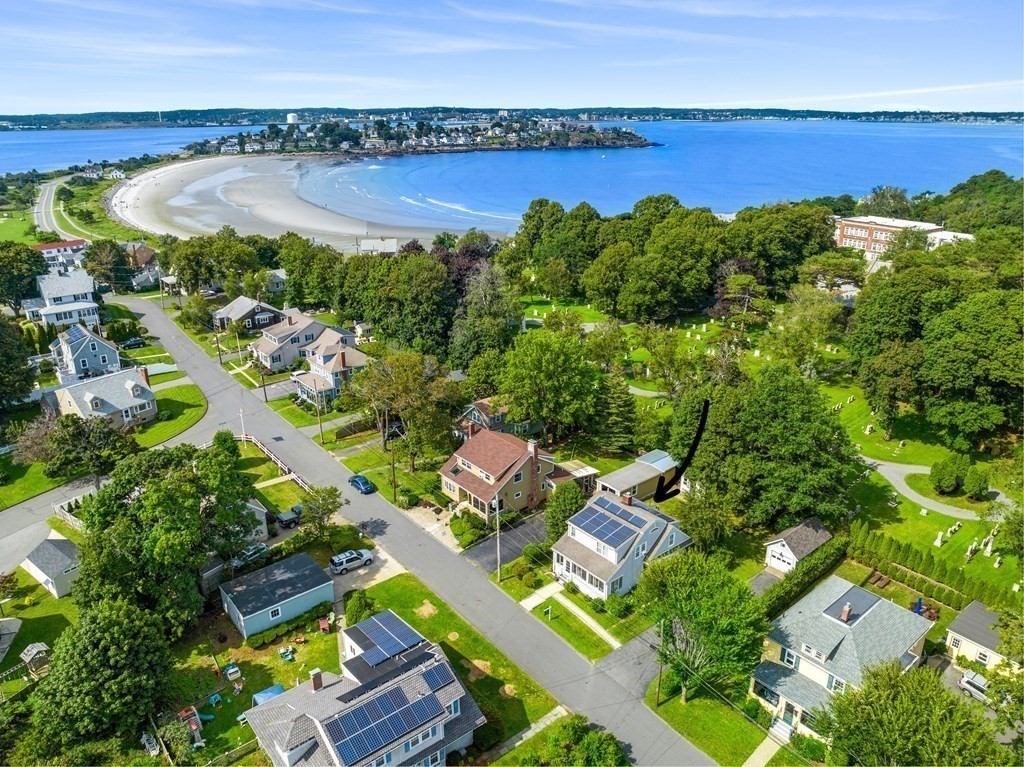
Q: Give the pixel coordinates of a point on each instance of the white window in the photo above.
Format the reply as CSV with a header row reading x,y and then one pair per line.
x,y
384,760
602,549
92,346
421,737
517,496
275,612
518,477
835,684
465,464
449,486
572,531
103,359
981,657
485,475
84,363
95,404
816,654
671,539
790,658
640,550
455,707
248,323
954,642
558,558
616,584
126,414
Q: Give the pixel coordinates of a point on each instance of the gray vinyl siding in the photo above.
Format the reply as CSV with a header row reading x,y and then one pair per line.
x,y
291,608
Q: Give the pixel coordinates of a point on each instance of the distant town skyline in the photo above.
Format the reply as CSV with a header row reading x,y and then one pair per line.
x,y
100,55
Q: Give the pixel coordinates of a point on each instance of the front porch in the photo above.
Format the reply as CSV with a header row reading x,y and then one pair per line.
x,y
582,570
314,389
790,697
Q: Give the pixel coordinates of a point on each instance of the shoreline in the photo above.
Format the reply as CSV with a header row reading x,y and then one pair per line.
x,y
254,194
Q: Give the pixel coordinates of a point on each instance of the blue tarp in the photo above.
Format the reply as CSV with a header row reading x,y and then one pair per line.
x,y
267,694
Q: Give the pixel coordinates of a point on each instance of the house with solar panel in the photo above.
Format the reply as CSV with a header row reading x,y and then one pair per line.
x,y
609,541
79,353
825,642
397,702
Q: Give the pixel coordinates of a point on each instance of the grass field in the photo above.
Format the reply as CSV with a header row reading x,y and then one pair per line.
x,y
514,587
713,726
293,414
23,482
922,484
16,226
623,629
590,453
160,378
255,464
115,312
374,464
559,619
90,198
508,697
73,534
330,443
532,745
186,404
535,307
905,523
281,496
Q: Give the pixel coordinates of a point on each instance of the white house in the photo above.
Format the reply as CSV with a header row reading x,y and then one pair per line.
x,y
65,298
54,563
793,544
608,542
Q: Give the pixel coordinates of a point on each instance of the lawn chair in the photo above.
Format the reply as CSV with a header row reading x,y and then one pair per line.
x,y
286,653
875,578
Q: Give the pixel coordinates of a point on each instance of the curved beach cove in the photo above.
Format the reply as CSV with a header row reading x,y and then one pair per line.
x,y
722,165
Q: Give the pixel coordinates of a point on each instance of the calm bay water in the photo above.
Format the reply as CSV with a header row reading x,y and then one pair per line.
x,y
722,165
55,149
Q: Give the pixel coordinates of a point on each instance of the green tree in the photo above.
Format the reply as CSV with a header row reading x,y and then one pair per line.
x,y
889,379
19,266
607,344
319,508
192,262
547,378
16,378
358,607
92,446
107,261
487,318
555,280
106,675
602,280
833,269
744,300
484,372
810,318
614,422
976,483
705,517
563,503
870,722
196,313
712,626
888,201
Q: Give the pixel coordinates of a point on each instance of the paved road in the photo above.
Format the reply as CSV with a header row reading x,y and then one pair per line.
x,y
485,554
43,212
896,475
576,683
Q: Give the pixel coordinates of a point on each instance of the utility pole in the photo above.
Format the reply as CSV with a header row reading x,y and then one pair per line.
x,y
394,479
657,699
497,528
216,340
263,383
241,415
319,420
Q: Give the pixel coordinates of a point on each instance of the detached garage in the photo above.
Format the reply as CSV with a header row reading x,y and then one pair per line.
x,y
795,543
54,563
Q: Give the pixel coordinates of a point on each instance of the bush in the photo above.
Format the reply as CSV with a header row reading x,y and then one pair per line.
x,y
178,739
943,476
531,580
4,477
164,415
598,604
976,483
809,748
534,553
358,607
808,570
750,708
572,588
288,627
620,607
518,568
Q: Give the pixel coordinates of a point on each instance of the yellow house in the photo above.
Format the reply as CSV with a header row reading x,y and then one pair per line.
x,y
972,635
825,642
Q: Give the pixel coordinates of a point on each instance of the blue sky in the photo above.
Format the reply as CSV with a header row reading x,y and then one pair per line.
x,y
89,55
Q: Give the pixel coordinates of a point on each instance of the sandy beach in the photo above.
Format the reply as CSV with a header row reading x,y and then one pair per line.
x,y
255,195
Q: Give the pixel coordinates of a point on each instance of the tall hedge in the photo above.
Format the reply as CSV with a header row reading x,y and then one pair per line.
x,y
807,571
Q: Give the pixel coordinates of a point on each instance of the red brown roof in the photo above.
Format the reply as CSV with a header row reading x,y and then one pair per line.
x,y
494,452
62,244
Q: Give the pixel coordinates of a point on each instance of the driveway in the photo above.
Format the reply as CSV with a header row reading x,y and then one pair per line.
x,y
485,554
896,475
384,566
571,679
764,580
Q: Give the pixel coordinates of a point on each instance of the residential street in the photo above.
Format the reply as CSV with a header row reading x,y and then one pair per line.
x,y
577,684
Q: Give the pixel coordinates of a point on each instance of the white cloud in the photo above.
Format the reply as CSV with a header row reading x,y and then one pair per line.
x,y
770,9
832,97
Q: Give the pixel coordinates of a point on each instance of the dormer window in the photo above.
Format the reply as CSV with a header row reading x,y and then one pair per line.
x,y
92,346
816,654
95,403
136,391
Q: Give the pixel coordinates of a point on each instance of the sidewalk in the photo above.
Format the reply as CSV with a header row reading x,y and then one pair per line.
x,y
176,382
540,596
763,753
593,625
499,751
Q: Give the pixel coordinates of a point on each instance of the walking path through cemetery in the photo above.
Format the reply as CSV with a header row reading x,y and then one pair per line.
x,y
896,475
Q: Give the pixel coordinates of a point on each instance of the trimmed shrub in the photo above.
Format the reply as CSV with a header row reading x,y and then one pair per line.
x,y
358,607
530,579
807,571
572,588
534,554
809,748
598,604
943,477
620,607
976,483
518,568
288,627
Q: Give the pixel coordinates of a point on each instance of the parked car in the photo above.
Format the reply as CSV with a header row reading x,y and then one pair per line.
x,y
974,685
133,343
249,554
290,518
348,560
361,484
207,293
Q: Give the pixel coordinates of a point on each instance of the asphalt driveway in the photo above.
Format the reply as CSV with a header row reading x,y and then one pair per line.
x,y
485,554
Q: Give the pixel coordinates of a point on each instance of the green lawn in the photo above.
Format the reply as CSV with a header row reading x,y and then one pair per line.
x,y
713,726
255,464
90,198
47,379
786,757
365,460
115,312
148,354
532,745
43,618
747,554
292,413
623,629
328,318
375,464
281,496
590,453
559,619
250,377
193,675
160,378
508,697
186,404
15,227
922,484
905,523
858,574
73,534
330,443
23,482
536,307
515,587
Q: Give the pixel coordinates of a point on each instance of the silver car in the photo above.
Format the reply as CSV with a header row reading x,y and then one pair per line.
x,y
349,560
974,685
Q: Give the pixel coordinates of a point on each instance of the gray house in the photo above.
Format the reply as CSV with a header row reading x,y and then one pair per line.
x,y
65,298
609,541
123,398
245,311
54,563
283,343
276,593
399,702
79,353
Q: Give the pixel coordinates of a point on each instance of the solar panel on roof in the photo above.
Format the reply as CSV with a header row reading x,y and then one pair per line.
x,y
620,511
353,746
335,730
75,333
399,629
374,656
437,677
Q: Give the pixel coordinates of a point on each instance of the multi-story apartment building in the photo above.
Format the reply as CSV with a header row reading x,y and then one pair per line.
x,y
825,642
397,702
874,235
609,541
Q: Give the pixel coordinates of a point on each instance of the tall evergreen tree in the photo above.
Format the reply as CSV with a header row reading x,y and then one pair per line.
x,y
614,414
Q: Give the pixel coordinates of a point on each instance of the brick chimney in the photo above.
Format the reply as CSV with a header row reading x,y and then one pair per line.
x,y
291,319
316,677
145,374
531,447
844,614
627,498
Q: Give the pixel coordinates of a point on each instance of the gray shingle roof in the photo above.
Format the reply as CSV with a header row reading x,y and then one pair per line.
x,y
790,684
586,558
271,585
241,306
65,283
977,623
805,537
114,392
53,556
883,632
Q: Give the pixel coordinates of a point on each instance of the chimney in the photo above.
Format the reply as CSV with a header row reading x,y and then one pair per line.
x,y
844,616
531,447
145,374
291,319
316,677
627,498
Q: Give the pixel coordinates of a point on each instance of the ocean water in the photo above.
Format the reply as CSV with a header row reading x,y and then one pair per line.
x,y
722,165
55,149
